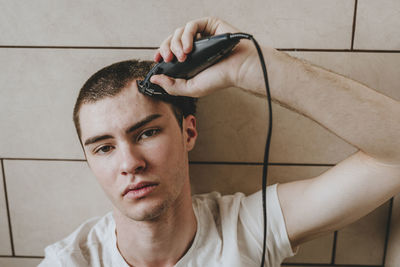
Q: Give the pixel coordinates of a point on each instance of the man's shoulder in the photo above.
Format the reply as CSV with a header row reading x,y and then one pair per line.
x,y
91,233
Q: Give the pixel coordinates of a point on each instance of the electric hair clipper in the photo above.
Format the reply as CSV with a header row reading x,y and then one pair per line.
x,y
205,53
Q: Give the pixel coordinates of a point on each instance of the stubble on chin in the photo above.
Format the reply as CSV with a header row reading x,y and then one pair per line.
x,y
153,214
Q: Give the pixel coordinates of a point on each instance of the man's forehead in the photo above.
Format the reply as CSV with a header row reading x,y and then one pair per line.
x,y
125,108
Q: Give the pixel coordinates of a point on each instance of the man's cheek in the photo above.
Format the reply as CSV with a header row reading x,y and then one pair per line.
x,y
159,150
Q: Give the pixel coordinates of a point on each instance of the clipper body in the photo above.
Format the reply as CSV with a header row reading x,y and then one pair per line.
x,y
205,53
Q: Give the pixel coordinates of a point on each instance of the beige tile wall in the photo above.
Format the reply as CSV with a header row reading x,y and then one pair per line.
x,y
48,49
393,255
123,23
44,95
48,200
19,262
363,242
378,25
5,244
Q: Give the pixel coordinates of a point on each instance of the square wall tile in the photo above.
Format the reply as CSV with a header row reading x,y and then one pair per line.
x,y
316,251
5,240
393,255
376,70
363,241
233,127
37,96
228,179
378,25
48,200
297,139
280,23
18,262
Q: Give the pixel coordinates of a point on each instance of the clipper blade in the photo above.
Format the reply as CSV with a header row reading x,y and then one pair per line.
x,y
151,89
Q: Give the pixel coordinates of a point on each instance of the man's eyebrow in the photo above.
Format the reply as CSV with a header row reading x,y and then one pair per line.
x,y
143,122
131,129
96,139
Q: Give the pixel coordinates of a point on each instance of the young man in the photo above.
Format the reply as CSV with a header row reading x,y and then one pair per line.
x,y
137,147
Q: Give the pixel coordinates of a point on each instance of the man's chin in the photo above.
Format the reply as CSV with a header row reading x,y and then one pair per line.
x,y
148,212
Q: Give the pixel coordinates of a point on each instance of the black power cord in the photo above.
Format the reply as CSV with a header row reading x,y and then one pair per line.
x,y
268,141
208,52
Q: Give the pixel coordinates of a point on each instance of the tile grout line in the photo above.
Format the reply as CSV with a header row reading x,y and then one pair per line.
x,y
337,50
7,208
388,225
354,24
79,47
44,159
195,162
22,257
260,163
351,50
334,247
328,264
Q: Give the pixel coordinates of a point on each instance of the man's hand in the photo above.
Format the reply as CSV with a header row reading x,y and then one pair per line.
x,y
222,75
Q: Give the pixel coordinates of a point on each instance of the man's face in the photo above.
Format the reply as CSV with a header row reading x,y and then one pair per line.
x,y
138,152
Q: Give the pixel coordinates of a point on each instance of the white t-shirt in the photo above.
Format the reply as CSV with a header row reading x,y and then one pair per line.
x,y
229,233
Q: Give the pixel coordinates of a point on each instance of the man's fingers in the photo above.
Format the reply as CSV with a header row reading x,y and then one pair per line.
x,y
206,26
176,45
188,36
182,87
181,42
194,28
165,50
157,56
171,85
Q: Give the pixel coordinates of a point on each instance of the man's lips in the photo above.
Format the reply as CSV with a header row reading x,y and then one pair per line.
x,y
139,189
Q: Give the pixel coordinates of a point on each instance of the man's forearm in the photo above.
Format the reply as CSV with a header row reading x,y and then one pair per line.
x,y
360,115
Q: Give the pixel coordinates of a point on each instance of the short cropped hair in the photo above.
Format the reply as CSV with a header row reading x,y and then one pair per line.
x,y
111,80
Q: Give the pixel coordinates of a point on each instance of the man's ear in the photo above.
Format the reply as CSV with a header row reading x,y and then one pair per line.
x,y
189,131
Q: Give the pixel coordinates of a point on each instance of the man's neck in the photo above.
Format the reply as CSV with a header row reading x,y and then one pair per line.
x,y
160,242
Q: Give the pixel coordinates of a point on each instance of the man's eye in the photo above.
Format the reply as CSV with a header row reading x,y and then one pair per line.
x,y
149,133
103,149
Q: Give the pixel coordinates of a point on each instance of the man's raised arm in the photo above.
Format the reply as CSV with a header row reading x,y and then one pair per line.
x,y
359,115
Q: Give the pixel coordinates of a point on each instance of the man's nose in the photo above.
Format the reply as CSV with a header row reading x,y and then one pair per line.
x,y
131,161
